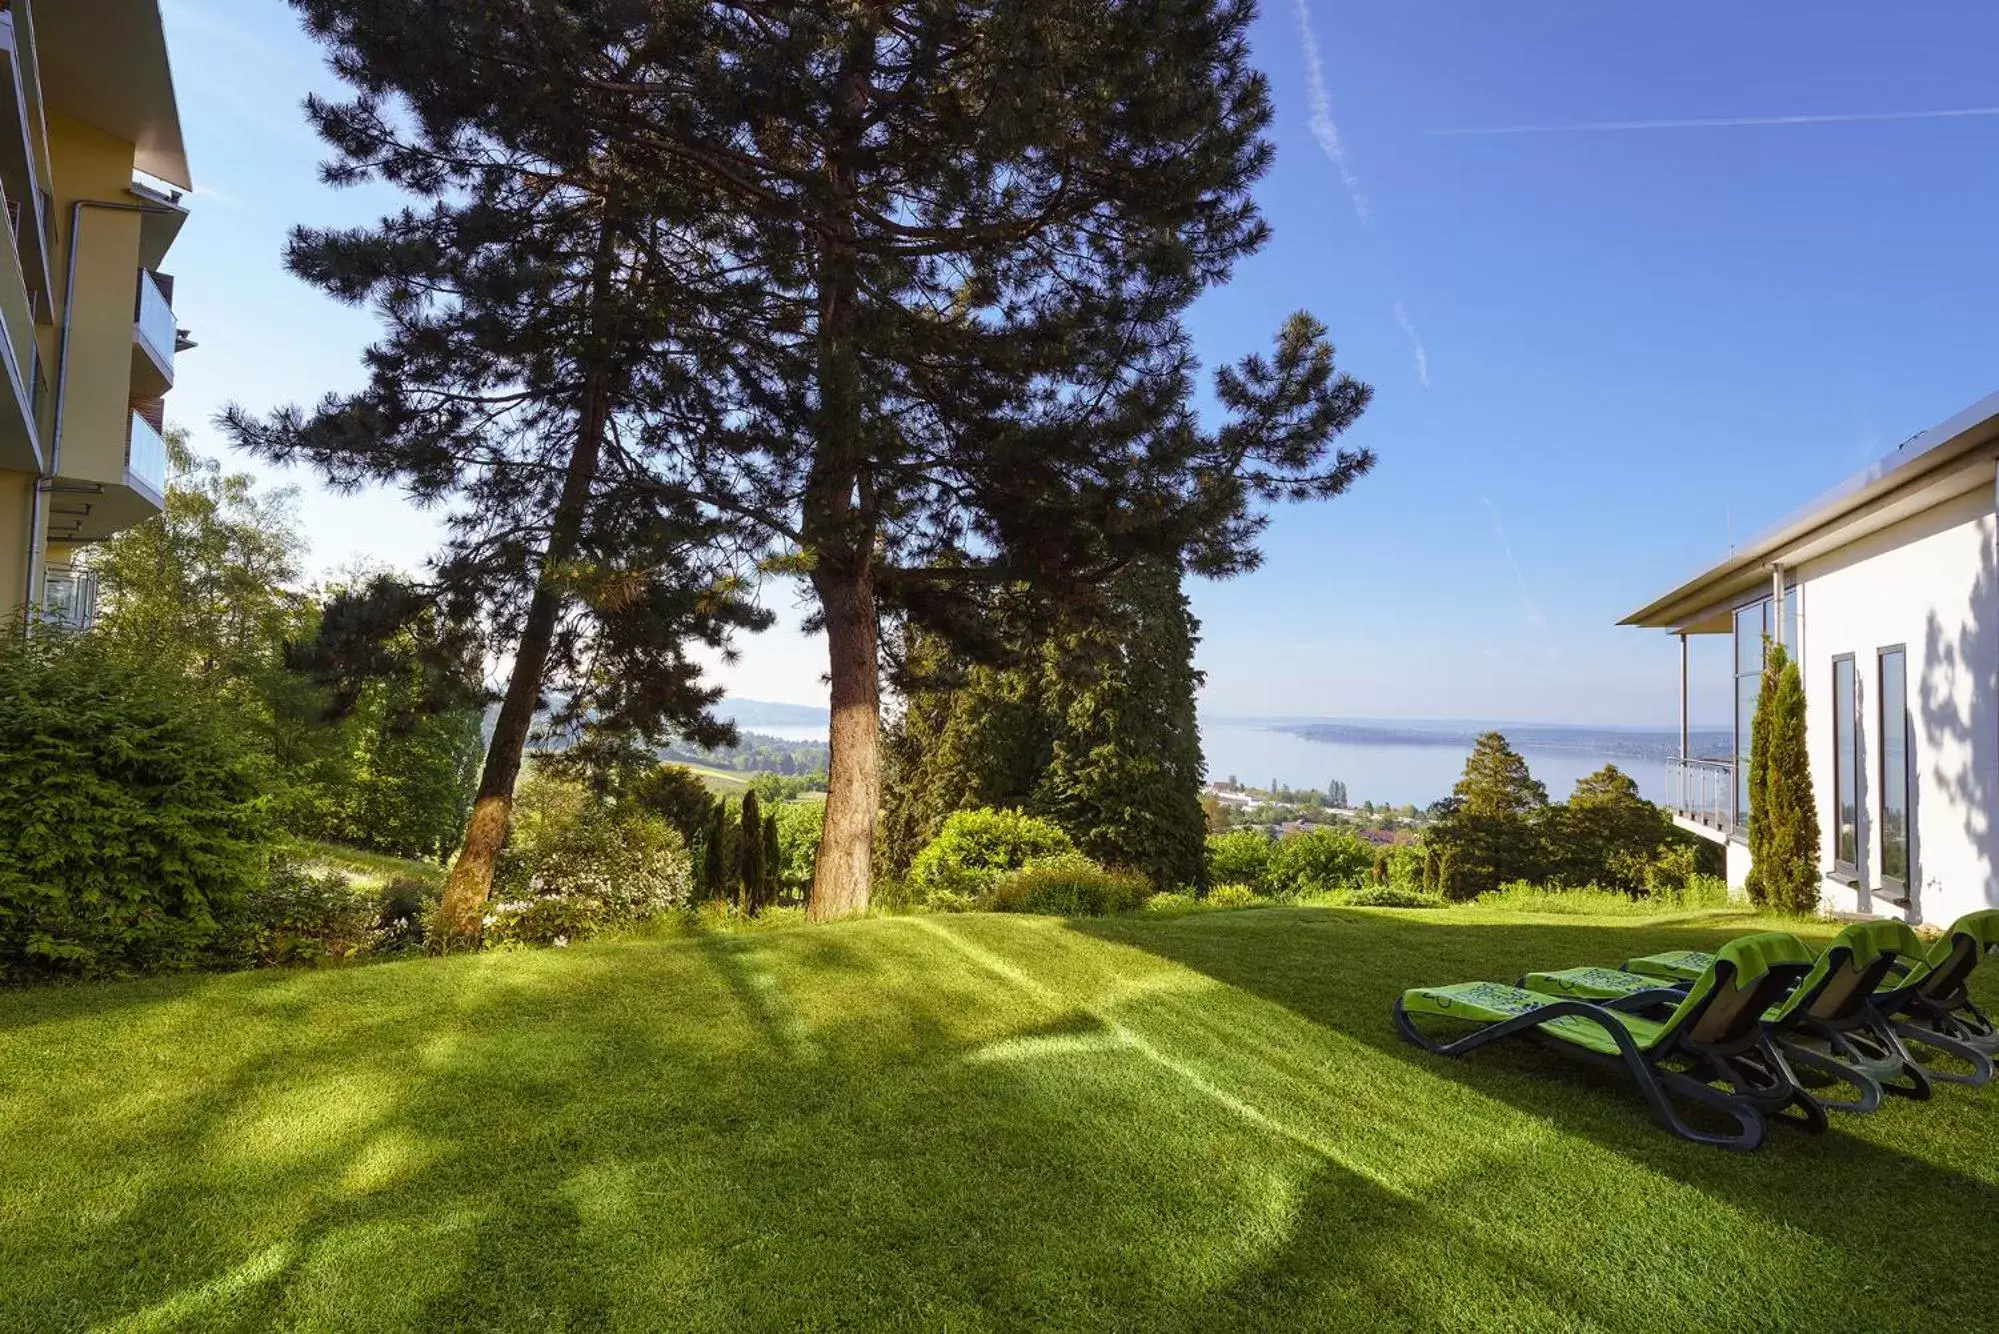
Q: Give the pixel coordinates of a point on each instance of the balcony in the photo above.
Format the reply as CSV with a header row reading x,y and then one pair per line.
x,y
146,458
1702,792
69,599
155,336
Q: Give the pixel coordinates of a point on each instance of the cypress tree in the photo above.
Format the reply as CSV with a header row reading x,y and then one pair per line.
x,y
773,860
716,866
1783,813
750,861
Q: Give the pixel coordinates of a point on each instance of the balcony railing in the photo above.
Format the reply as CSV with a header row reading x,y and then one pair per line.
x,y
146,455
156,321
1702,791
69,599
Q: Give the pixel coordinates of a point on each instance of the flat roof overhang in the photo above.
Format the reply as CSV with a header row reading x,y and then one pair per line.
x,y
104,62
1942,463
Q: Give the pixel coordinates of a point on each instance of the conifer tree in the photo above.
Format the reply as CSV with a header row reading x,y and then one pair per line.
x,y
1783,813
974,230
534,374
1091,724
717,866
750,859
938,257
773,866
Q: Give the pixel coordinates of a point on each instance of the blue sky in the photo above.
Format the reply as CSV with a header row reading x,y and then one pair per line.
x,y
1599,354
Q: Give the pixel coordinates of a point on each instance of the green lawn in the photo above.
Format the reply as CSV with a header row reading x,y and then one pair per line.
x,y
948,1122
358,863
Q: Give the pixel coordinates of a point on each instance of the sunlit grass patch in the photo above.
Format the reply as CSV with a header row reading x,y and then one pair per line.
x,y
1199,1121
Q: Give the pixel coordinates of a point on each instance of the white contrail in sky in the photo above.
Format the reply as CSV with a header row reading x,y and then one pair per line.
x,y
1536,618
1422,357
1323,127
1722,122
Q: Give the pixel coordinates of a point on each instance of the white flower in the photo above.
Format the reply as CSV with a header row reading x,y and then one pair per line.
x,y
561,941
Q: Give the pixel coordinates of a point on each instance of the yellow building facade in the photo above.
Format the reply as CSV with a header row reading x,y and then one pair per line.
x,y
91,168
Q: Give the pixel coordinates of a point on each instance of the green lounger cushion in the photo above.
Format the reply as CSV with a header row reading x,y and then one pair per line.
x,y
1492,1003
1591,983
1673,965
1981,928
1867,942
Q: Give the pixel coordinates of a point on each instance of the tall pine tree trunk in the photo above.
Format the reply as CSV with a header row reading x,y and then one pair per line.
x,y
842,873
471,881
839,521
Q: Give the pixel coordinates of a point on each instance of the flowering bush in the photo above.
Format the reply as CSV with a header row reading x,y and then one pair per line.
x,y
575,864
553,920
299,916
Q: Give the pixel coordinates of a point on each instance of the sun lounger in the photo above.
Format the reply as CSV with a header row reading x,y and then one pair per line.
x,y
1713,1032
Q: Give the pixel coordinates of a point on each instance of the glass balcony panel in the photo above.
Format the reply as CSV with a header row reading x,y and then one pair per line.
x,y
156,321
146,456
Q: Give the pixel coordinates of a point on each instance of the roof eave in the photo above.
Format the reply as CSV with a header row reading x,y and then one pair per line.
x,y
1933,451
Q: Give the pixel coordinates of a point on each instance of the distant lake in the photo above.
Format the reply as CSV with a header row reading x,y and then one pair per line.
x,y
1391,773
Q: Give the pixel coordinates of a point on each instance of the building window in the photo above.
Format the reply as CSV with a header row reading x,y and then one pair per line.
x,y
1754,626
1895,750
1845,766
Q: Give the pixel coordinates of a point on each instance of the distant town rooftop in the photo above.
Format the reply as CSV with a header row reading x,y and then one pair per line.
x,y
1944,462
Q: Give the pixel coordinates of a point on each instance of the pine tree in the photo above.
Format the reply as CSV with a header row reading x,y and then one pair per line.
x,y
973,230
1783,813
535,372
750,859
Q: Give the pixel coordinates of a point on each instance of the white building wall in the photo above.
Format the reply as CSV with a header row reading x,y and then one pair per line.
x,y
1929,584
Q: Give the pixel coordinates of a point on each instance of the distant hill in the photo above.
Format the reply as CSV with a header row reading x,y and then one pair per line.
x,y
749,713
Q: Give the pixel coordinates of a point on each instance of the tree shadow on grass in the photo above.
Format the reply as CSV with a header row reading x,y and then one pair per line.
x,y
996,1124
1342,970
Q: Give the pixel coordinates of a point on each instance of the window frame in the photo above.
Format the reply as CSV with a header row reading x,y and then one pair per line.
x,y
1895,887
1843,866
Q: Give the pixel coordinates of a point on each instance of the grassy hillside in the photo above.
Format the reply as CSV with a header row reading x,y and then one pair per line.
x,y
951,1122
363,865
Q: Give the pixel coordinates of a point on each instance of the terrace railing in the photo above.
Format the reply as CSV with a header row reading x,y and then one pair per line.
x,y
1702,791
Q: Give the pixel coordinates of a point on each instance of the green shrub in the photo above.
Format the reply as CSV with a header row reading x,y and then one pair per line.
x,y
1173,904
300,915
1705,891
612,865
799,826
1232,896
1239,857
1319,859
1069,885
132,814
403,908
975,850
1391,896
